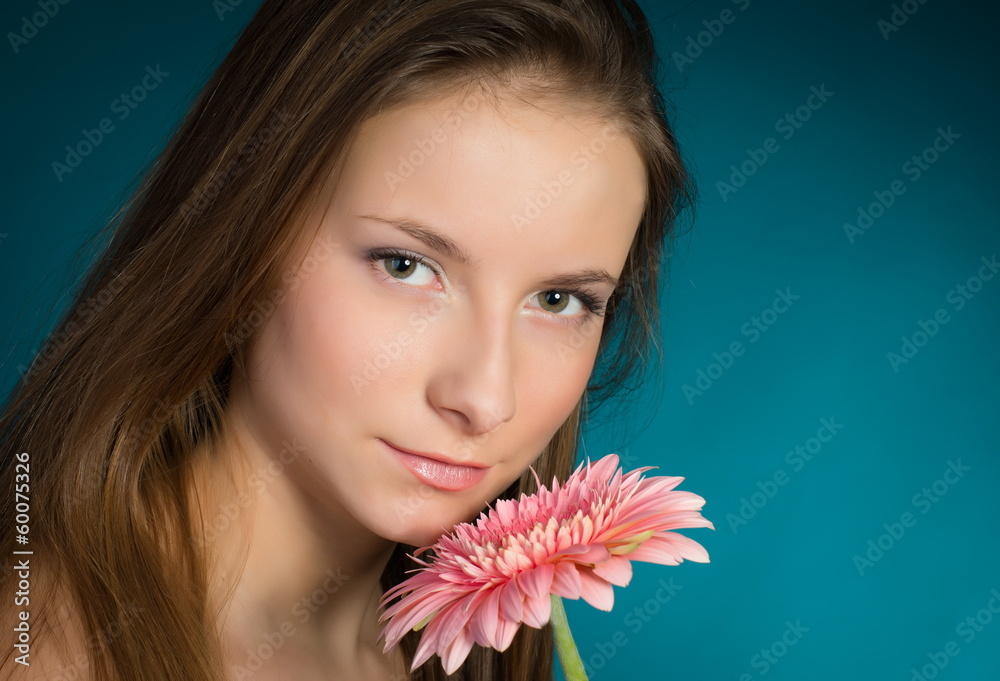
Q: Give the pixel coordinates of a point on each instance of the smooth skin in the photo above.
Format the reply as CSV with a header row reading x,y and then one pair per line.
x,y
478,361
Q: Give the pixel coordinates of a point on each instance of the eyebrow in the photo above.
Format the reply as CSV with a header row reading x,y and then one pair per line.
x,y
443,244
421,232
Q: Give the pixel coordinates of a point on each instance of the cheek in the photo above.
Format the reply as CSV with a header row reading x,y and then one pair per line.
x,y
348,341
317,354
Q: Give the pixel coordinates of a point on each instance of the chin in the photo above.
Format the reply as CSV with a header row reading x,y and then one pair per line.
x,y
419,529
418,537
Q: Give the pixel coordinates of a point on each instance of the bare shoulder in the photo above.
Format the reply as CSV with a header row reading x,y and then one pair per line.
x,y
51,644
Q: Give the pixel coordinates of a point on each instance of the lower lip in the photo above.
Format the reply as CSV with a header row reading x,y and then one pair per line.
x,y
442,476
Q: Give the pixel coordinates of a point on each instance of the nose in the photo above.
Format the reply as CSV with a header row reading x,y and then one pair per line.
x,y
473,385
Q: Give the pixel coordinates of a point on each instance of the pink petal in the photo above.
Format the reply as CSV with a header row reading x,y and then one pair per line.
x,y
566,581
483,624
603,467
596,591
448,624
537,610
616,569
585,553
655,487
510,601
407,613
536,583
670,549
425,649
505,633
456,653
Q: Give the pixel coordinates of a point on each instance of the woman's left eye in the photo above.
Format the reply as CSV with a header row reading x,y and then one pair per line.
x,y
558,302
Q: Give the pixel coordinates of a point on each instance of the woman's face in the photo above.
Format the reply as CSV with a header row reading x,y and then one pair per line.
x,y
443,308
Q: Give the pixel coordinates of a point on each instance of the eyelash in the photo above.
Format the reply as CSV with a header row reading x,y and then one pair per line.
x,y
591,303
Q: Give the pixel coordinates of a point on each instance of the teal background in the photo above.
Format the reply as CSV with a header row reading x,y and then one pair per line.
x,y
794,561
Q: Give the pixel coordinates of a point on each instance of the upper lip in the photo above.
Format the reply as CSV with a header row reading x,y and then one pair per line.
x,y
434,456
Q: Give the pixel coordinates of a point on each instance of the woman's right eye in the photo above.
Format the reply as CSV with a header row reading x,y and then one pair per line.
x,y
402,266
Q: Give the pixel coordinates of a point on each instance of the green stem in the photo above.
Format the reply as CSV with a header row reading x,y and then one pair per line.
x,y
569,656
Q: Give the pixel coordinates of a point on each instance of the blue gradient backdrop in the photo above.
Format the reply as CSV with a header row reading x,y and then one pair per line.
x,y
817,570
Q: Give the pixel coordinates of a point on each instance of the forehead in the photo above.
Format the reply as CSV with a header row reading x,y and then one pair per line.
x,y
500,177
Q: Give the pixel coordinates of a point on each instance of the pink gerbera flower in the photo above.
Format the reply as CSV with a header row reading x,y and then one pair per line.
x,y
574,541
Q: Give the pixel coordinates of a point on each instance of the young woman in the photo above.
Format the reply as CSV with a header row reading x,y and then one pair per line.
x,y
388,259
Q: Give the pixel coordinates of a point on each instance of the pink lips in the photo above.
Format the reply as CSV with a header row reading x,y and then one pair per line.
x,y
438,474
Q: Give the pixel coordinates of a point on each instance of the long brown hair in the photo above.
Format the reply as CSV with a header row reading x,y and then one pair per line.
x,y
115,405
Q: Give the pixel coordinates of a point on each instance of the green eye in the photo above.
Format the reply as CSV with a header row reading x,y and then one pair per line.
x,y
555,301
403,266
399,266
